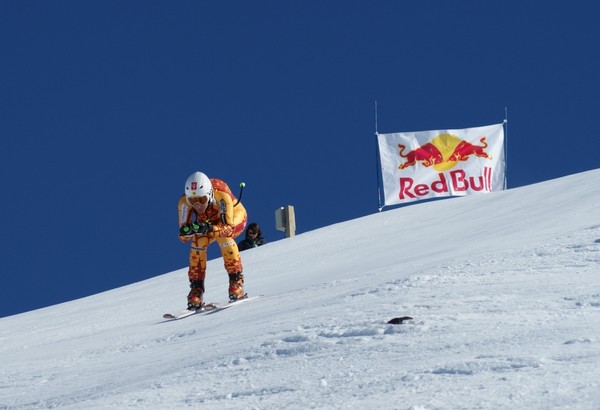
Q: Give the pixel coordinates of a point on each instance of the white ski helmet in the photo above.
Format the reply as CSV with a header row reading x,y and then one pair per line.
x,y
198,185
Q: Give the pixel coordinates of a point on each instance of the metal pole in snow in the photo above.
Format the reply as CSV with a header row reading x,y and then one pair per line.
x,y
377,162
505,147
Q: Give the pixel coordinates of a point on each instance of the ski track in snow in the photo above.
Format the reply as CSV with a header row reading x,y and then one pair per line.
x,y
513,326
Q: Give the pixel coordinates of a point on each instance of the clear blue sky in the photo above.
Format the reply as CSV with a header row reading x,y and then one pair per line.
x,y
107,106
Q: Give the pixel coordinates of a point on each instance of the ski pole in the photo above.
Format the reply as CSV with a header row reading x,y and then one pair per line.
x,y
242,185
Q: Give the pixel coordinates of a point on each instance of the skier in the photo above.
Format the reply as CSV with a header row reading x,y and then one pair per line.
x,y
253,238
208,212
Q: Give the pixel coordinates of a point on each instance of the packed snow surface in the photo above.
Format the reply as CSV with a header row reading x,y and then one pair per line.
x,y
503,289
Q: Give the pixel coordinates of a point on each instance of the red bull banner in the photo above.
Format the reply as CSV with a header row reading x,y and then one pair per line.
x,y
428,164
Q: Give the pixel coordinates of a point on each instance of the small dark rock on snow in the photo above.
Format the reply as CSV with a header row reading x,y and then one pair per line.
x,y
399,320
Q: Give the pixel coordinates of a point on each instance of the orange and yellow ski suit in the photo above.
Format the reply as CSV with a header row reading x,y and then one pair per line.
x,y
228,219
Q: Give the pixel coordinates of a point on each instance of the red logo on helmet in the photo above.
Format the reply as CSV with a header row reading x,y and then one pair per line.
x,y
194,186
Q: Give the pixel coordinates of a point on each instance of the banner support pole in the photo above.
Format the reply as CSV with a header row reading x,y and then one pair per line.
x,y
377,162
505,147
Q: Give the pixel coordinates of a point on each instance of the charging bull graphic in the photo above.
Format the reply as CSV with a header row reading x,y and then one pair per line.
x,y
428,154
443,152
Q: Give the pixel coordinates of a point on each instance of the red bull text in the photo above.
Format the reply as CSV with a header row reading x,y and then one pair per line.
x,y
453,182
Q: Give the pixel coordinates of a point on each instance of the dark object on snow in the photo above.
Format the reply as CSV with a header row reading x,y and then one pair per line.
x,y
399,320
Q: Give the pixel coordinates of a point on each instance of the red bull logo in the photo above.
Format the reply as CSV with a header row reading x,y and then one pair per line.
x,y
443,152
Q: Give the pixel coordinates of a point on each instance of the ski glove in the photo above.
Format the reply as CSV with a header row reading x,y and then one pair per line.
x,y
202,228
195,228
186,231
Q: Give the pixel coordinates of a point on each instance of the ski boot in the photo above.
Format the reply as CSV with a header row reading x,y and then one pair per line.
x,y
236,287
194,298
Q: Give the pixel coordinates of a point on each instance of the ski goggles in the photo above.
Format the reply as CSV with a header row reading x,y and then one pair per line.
x,y
193,200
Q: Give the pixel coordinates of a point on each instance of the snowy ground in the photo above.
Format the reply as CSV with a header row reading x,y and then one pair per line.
x,y
504,290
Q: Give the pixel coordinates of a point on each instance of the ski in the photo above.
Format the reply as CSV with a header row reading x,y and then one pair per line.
x,y
231,304
185,313
207,309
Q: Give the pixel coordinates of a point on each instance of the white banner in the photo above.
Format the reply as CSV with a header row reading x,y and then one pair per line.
x,y
427,164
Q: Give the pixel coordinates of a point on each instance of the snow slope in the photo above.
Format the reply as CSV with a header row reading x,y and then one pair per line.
x,y
504,290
